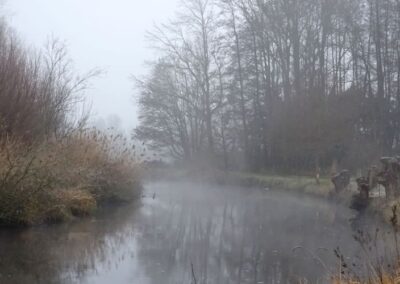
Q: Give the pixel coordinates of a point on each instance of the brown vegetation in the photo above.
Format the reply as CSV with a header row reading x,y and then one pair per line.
x,y
380,263
54,180
51,166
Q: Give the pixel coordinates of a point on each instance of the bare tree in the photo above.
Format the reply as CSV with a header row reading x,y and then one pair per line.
x,y
295,74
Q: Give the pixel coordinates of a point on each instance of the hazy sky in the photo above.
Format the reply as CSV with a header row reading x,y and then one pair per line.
x,y
109,34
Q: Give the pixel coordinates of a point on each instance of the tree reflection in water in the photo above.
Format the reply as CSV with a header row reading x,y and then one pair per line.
x,y
238,236
228,235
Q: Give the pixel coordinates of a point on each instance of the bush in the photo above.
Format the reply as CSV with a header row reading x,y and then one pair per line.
x,y
50,169
57,179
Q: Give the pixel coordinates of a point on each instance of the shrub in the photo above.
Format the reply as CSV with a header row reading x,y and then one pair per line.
x,y
59,178
380,259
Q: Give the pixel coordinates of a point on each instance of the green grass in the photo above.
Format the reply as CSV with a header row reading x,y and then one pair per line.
x,y
300,184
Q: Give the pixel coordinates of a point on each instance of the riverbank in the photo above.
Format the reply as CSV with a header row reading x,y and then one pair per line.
x,y
296,184
58,180
307,185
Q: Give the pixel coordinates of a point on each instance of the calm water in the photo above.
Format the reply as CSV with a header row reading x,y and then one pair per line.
x,y
187,233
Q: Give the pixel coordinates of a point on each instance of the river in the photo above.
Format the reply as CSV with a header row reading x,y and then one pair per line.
x,y
186,233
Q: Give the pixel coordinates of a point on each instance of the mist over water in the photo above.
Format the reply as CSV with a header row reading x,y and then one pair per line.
x,y
302,97
187,233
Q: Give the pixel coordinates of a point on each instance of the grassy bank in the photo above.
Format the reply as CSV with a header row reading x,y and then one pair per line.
x,y
298,184
59,179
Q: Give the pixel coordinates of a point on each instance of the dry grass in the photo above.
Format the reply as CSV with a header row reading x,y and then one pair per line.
x,y
381,257
60,178
386,279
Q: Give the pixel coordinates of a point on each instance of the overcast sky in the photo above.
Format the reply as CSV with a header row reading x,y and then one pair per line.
x,y
109,34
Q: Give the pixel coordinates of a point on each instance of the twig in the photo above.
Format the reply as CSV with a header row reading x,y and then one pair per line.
x,y
193,274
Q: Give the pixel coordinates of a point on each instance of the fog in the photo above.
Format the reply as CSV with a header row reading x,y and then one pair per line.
x,y
228,234
199,141
99,34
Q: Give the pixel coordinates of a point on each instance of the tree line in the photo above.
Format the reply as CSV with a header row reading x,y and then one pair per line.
x,y
275,84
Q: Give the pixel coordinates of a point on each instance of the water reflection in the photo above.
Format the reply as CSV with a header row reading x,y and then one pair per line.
x,y
66,253
187,234
232,236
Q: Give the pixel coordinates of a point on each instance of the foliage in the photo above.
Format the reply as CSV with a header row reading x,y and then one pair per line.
x,y
54,179
51,166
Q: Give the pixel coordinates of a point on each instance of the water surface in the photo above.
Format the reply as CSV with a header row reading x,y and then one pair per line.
x,y
186,233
